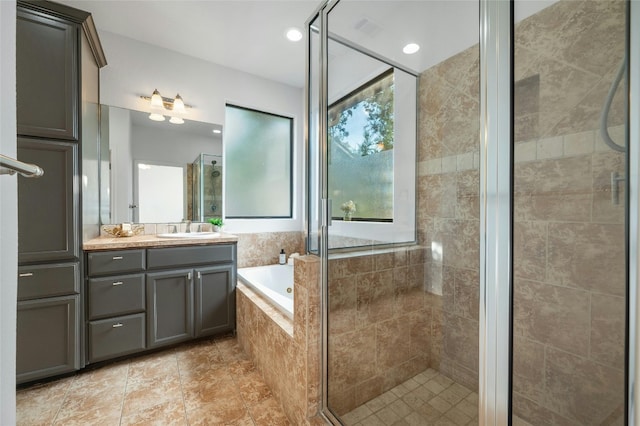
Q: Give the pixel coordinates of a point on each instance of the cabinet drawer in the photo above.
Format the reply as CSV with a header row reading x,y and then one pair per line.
x,y
114,337
110,262
48,280
192,255
118,295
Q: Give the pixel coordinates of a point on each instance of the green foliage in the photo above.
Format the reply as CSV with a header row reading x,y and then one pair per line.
x,y
378,132
216,221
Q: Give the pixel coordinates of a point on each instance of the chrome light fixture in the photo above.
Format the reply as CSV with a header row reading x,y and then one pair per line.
x,y
161,106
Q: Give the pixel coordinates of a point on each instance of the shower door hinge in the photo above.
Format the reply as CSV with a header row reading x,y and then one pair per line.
x,y
326,212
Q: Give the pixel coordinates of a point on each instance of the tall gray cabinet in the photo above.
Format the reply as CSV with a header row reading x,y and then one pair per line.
x,y
51,39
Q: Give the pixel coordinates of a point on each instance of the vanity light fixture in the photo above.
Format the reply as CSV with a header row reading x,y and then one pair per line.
x,y
160,106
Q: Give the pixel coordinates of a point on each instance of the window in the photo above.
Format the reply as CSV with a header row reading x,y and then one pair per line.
x,y
361,140
258,155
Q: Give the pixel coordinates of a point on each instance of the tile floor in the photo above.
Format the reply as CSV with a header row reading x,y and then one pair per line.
x,y
209,382
428,398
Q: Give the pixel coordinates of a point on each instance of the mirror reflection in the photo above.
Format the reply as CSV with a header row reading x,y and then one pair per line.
x,y
134,148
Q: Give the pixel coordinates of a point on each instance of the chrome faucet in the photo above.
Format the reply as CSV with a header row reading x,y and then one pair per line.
x,y
188,227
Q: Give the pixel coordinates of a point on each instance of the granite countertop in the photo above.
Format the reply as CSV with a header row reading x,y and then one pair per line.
x,y
144,241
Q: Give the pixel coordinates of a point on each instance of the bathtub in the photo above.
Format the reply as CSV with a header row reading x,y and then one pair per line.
x,y
272,282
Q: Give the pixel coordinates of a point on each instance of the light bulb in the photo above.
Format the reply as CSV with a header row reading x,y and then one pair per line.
x,y
176,120
156,117
178,105
411,48
156,100
294,34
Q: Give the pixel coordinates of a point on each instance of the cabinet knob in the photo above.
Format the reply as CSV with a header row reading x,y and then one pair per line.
x,y
117,257
25,274
117,325
117,283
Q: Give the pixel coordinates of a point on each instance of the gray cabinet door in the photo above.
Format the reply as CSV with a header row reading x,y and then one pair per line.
x,y
169,307
48,338
215,299
48,220
46,76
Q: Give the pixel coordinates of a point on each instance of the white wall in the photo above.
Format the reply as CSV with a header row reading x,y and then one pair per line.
x,y
171,147
8,215
135,68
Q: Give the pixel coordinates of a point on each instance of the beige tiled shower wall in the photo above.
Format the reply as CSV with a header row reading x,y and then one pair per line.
x,y
569,249
568,235
379,324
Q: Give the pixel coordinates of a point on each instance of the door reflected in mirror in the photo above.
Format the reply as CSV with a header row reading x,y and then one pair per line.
x,y
129,138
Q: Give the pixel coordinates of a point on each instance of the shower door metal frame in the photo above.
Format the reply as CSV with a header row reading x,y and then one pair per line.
x,y
496,220
633,296
496,207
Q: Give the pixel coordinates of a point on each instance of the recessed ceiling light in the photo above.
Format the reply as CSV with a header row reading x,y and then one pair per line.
x,y
411,48
217,131
294,34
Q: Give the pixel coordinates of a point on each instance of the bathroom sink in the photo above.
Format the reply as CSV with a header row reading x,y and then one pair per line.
x,y
189,235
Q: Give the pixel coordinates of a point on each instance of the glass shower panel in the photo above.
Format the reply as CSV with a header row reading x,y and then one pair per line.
x,y
569,183
206,188
402,290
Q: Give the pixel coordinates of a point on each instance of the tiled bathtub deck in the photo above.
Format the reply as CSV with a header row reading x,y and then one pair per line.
x,y
209,382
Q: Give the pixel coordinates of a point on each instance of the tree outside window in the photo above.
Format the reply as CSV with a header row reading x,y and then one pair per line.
x,y
361,137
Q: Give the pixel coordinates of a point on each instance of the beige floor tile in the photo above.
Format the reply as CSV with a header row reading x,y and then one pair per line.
x,y
166,413
222,410
151,392
206,382
268,413
253,389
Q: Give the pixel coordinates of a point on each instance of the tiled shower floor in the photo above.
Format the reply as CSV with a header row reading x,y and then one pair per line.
x,y
428,398
209,382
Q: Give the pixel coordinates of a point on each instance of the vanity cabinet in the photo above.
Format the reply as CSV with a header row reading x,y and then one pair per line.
x,y
48,337
50,84
141,299
49,206
115,303
46,60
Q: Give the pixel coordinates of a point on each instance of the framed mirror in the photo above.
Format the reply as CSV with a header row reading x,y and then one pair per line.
x,y
183,186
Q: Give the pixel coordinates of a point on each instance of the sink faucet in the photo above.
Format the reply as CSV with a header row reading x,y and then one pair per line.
x,y
188,228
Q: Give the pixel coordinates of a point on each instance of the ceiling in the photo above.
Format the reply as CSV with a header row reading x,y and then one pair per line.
x,y
249,35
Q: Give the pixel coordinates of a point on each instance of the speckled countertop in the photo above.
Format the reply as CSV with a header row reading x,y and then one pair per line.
x,y
144,241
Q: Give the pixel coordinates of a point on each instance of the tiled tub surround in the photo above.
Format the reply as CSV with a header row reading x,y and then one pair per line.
x,y
568,235
286,352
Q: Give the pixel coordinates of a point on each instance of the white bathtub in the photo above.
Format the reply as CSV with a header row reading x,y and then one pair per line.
x,y
272,282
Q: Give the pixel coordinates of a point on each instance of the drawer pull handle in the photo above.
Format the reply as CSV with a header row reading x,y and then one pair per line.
x,y
26,274
118,325
189,276
118,283
117,257
199,276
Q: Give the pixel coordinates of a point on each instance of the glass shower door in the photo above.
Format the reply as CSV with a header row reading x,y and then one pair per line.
x,y
400,184
569,213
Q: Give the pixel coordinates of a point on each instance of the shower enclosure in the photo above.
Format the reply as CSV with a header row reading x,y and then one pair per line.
x,y
206,187
474,205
